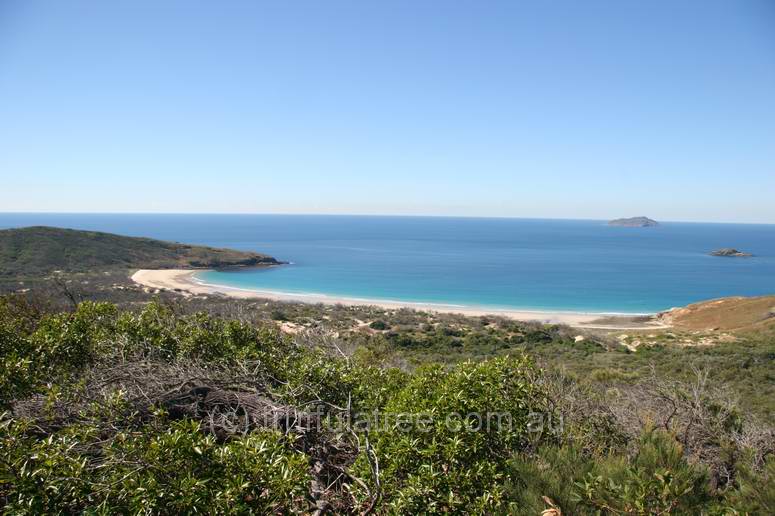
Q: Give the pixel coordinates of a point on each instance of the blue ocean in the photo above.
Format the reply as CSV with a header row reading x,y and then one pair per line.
x,y
568,265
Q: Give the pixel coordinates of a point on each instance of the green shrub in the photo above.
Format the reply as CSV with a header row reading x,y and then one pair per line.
x,y
157,333
551,473
447,459
48,475
755,491
83,435
162,469
379,325
187,471
657,480
65,343
58,347
16,372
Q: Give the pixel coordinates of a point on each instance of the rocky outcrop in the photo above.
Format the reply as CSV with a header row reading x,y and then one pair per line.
x,y
729,251
634,222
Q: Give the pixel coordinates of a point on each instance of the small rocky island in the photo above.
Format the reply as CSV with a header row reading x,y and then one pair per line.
x,y
728,251
634,222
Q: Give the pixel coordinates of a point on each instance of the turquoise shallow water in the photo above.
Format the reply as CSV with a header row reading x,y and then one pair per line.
x,y
509,263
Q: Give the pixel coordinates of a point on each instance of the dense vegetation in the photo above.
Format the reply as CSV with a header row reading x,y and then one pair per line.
x,y
161,408
746,364
40,250
120,399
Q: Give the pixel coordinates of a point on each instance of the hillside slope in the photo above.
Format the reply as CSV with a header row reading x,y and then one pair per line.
x,y
728,313
40,250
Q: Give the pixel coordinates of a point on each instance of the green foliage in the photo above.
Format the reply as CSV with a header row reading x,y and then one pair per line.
x,y
15,363
185,470
65,343
746,364
373,387
167,469
42,475
156,332
447,435
550,472
460,438
379,324
755,491
658,480
59,346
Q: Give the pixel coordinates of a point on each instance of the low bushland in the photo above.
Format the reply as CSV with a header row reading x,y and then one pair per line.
x,y
107,410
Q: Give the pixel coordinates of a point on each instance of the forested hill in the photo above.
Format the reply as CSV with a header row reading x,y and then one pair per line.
x,y
40,250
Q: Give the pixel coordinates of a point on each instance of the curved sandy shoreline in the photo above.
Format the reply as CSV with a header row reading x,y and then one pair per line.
x,y
183,280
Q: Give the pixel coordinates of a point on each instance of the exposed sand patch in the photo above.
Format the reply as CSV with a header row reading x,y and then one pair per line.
x,y
728,313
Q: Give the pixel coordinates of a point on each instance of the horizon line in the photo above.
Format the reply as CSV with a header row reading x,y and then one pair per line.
x,y
375,215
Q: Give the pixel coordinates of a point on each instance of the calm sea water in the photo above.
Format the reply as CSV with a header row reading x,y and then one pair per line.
x,y
511,263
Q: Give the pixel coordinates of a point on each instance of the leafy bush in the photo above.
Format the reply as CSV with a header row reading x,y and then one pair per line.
x,y
166,469
657,480
755,493
134,411
59,346
187,471
379,324
551,473
437,449
65,343
16,372
156,332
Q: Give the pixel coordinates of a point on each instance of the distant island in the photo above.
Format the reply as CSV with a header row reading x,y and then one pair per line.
x,y
41,249
634,222
731,252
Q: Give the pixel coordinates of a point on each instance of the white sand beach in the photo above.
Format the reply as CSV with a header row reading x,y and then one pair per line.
x,y
184,281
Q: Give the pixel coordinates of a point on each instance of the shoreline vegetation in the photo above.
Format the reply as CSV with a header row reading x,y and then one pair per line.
x,y
184,281
165,410
182,397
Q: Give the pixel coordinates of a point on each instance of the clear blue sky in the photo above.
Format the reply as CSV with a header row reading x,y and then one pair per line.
x,y
592,109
